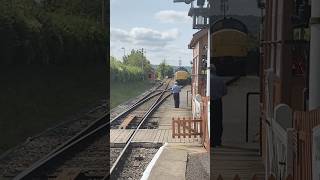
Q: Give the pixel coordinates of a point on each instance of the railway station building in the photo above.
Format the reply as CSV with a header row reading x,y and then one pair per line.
x,y
199,46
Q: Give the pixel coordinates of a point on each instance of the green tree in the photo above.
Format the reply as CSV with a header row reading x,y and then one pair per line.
x,y
169,71
164,70
51,32
136,58
124,72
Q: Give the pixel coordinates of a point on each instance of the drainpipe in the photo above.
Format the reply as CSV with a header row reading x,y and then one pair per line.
x,y
314,74
208,75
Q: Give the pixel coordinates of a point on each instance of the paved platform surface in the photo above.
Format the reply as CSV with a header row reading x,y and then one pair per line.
x,y
228,161
173,161
166,111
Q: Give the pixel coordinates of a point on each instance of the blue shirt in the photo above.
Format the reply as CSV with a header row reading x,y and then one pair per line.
x,y
217,87
175,89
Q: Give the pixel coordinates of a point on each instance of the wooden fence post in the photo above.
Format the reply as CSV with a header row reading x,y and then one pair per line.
x,y
184,127
173,128
190,127
178,127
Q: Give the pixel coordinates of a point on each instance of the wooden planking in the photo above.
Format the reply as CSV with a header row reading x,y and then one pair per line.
x,y
258,176
122,133
114,134
148,135
156,139
231,161
161,134
126,121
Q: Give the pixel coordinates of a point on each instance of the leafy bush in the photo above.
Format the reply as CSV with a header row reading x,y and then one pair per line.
x,y
124,73
32,33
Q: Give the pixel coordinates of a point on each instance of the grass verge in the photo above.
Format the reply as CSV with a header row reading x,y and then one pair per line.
x,y
34,98
121,92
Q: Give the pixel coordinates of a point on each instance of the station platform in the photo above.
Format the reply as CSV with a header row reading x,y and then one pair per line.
x,y
173,162
181,157
235,157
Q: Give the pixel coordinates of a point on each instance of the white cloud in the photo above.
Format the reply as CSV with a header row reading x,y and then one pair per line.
x,y
144,36
171,16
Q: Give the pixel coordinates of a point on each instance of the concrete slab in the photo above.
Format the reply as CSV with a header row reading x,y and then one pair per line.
x,y
171,169
173,155
172,162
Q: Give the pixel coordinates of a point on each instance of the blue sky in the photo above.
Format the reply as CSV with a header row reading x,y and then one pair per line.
x,y
161,27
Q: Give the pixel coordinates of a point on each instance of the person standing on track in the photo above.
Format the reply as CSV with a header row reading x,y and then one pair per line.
x,y
175,89
218,89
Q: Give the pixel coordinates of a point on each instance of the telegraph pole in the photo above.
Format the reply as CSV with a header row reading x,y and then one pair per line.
x,y
142,63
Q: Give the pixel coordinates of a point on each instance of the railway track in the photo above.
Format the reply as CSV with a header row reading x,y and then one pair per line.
x,y
86,153
19,158
121,157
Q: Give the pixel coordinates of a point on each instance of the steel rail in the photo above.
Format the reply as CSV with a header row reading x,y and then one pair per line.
x,y
142,100
82,135
150,110
134,106
29,172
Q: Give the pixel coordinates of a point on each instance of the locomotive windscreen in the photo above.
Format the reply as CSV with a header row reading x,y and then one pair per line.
x,y
181,69
228,23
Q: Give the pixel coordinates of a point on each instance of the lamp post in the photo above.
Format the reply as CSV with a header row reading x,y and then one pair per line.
x,y
142,63
124,51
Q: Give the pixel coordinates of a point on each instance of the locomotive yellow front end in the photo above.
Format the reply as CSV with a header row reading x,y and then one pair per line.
x,y
182,77
229,42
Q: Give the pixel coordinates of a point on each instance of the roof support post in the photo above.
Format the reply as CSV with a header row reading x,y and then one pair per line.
x,y
314,74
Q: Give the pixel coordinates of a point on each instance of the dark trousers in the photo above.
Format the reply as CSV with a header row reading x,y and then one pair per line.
x,y
216,122
176,98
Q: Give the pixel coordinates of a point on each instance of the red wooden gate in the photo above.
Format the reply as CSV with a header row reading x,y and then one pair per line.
x,y
186,127
304,122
